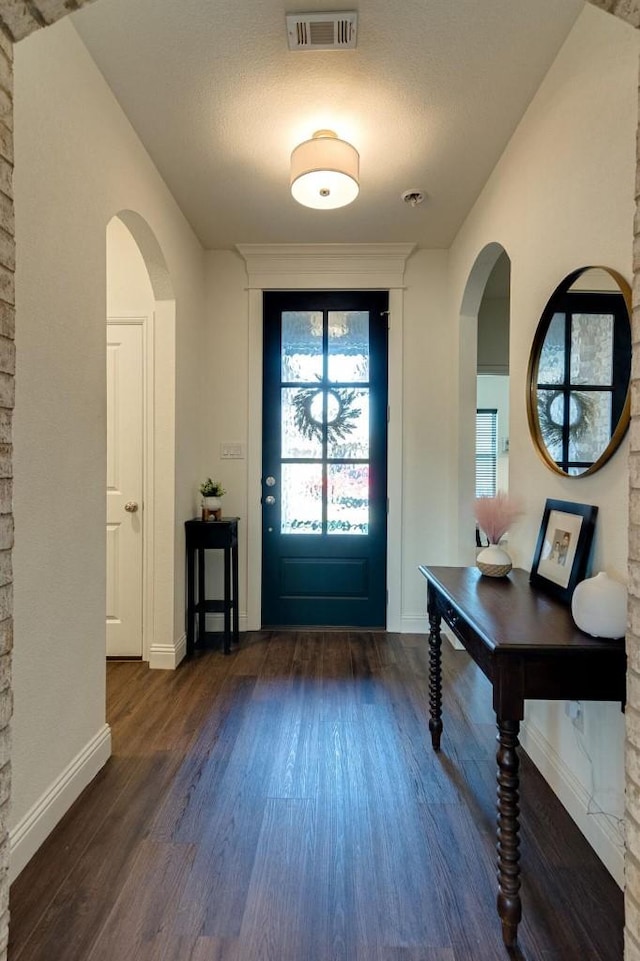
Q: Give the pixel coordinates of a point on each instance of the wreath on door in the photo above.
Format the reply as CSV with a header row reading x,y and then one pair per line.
x,y
342,413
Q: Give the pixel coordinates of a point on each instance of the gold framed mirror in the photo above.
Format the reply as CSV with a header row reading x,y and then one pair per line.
x,y
578,381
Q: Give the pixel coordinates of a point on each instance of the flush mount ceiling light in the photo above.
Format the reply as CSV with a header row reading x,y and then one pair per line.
x,y
324,172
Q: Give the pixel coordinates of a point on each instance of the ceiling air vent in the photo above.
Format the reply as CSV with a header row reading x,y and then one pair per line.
x,y
322,31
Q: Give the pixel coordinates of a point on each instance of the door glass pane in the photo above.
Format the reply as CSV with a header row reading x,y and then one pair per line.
x,y
301,506
348,346
589,424
301,430
301,345
348,431
348,499
551,420
592,349
551,365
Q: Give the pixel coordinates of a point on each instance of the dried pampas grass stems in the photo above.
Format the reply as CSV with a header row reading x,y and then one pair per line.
x,y
495,515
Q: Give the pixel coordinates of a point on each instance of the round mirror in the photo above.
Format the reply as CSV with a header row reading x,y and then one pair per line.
x,y
578,399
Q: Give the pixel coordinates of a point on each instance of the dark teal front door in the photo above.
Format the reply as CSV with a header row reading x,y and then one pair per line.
x,y
324,471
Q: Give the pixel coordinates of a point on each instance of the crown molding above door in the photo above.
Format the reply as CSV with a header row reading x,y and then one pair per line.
x,y
332,266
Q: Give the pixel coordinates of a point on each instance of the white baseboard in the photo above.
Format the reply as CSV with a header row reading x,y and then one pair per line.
x,y
596,828
419,624
414,624
38,823
166,657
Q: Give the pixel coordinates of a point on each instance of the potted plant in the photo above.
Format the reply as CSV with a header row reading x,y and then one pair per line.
x,y
212,491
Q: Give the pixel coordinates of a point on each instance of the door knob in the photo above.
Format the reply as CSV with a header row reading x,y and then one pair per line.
x,y
270,500
270,481
131,507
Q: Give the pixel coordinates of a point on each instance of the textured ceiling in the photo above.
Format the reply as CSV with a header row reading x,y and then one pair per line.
x,y
429,97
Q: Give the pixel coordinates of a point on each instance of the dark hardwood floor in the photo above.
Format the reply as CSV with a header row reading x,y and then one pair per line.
x,y
284,804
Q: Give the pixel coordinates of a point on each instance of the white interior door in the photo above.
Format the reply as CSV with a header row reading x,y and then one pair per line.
x,y
125,386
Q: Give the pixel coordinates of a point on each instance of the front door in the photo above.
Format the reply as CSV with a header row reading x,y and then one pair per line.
x,y
124,488
324,476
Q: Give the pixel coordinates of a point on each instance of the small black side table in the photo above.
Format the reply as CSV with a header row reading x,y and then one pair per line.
x,y
202,536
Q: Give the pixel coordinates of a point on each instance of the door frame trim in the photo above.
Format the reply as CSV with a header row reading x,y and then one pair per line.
x,y
325,267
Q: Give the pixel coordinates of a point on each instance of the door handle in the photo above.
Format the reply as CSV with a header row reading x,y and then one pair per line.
x,y
270,500
131,507
270,481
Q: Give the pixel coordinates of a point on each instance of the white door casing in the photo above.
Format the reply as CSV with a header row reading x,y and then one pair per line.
x,y
125,434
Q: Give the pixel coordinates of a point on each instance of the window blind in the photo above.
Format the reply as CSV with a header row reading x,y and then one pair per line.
x,y
486,452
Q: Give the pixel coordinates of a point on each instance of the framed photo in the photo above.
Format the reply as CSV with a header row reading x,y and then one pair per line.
x,y
562,552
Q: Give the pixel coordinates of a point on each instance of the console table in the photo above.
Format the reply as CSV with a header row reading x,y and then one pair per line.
x,y
528,647
202,536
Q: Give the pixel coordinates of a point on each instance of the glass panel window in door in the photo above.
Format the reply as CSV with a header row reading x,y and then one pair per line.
x,y
301,429
551,364
301,499
301,345
348,424
592,350
348,346
348,499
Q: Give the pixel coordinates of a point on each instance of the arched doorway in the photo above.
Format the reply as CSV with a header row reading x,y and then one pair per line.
x,y
492,257
141,311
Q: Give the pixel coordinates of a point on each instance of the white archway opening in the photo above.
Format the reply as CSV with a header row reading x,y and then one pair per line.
x,y
140,291
472,298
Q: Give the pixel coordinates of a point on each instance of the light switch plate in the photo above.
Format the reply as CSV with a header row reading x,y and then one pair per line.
x,y
231,452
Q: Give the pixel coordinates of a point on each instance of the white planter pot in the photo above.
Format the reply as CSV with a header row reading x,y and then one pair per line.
x,y
599,606
494,561
211,508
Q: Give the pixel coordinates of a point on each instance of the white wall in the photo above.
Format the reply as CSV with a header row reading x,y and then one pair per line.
x,y
428,419
427,375
129,290
493,336
561,197
226,404
78,162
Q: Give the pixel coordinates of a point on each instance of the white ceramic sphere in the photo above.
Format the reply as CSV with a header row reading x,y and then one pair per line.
x,y
599,606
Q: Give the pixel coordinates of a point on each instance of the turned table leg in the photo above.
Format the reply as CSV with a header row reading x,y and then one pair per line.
x,y
509,906
435,679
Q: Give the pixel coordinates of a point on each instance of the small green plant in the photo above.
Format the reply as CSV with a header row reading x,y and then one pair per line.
x,y
212,488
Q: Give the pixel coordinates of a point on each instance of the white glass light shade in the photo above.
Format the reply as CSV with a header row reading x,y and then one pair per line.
x,y
324,172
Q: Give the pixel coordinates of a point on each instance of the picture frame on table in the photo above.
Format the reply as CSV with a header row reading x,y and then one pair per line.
x,y
562,551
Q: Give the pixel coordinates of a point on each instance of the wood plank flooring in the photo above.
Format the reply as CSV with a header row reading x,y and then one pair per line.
x,y
284,804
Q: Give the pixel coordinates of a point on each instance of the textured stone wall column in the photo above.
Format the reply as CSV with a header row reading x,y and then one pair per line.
x,y
7,371
628,10
632,748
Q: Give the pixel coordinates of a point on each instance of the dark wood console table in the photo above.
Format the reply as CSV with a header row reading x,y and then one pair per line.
x,y
529,648
202,536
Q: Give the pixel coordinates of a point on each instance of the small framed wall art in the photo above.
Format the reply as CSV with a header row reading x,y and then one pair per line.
x,y
564,543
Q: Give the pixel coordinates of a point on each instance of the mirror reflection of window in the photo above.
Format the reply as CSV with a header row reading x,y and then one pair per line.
x,y
582,368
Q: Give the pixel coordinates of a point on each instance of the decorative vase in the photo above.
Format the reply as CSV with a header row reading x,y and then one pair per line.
x,y
494,561
211,508
599,606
